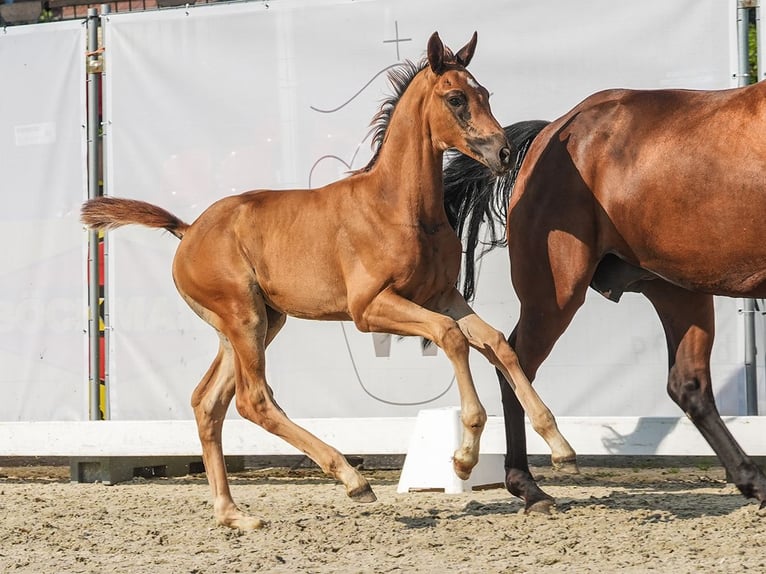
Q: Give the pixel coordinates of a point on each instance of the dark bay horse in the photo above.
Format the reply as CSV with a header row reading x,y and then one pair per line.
x,y
657,192
375,248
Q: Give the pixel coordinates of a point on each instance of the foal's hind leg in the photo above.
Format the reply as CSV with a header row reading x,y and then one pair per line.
x,y
210,401
689,322
246,329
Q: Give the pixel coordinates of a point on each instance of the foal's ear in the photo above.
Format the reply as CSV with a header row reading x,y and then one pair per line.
x,y
436,53
465,54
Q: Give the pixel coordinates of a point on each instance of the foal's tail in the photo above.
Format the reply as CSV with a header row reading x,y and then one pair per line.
x,y
472,196
104,213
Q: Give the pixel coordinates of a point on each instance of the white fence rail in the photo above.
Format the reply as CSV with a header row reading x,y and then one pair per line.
x,y
661,436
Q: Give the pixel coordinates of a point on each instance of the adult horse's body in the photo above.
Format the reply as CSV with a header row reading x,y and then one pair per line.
x,y
658,192
375,248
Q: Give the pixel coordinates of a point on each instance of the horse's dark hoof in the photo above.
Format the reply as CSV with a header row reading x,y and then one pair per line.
x,y
542,506
567,466
520,483
363,494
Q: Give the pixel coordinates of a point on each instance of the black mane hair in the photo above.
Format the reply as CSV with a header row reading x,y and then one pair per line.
x,y
400,77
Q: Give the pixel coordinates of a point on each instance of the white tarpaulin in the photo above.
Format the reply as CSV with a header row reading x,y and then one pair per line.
x,y
43,303
214,100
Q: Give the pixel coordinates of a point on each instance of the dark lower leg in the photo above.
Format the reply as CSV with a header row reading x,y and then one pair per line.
x,y
696,399
689,323
518,478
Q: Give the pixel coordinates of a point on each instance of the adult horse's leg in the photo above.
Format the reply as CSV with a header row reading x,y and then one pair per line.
x,y
689,322
551,273
518,477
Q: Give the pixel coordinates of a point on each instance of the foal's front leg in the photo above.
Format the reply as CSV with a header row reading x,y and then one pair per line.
x,y
493,345
390,313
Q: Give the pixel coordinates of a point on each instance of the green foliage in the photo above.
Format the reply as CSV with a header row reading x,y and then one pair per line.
x,y
752,51
47,16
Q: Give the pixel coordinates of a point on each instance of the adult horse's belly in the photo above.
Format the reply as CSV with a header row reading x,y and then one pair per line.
x,y
701,237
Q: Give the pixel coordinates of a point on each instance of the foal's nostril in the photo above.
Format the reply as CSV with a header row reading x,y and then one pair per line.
x,y
505,156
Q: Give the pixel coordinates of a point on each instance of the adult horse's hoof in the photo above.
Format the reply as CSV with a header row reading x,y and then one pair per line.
x,y
520,483
542,506
362,494
567,465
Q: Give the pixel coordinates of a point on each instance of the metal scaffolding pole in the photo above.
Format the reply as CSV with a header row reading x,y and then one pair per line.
x,y
93,69
751,377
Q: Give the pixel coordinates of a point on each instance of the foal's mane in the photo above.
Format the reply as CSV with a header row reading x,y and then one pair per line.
x,y
400,77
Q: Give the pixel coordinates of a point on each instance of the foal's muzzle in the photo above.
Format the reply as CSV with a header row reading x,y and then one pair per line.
x,y
495,152
505,158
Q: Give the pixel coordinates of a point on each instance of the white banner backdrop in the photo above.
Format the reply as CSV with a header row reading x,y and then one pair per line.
x,y
43,302
214,100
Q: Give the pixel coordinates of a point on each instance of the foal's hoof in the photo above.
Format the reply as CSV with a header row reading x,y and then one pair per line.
x,y
244,522
228,514
252,524
362,494
566,465
462,470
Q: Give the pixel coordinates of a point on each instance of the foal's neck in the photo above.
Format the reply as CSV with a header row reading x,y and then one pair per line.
x,y
409,167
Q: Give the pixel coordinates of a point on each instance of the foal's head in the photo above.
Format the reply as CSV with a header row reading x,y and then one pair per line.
x,y
456,107
459,111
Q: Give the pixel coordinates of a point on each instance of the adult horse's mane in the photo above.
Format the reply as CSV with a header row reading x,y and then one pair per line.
x,y
400,77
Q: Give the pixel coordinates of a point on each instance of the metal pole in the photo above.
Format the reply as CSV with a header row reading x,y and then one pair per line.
x,y
751,377
93,191
743,21
106,9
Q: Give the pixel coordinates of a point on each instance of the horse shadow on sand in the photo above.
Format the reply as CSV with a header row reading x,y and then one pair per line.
x,y
647,503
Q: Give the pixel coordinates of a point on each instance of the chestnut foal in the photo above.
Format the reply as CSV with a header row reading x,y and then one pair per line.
x,y
374,248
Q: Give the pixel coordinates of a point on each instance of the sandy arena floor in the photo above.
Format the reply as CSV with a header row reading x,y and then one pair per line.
x,y
630,519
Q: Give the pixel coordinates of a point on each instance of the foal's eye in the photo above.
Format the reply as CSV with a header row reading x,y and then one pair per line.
x,y
456,100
